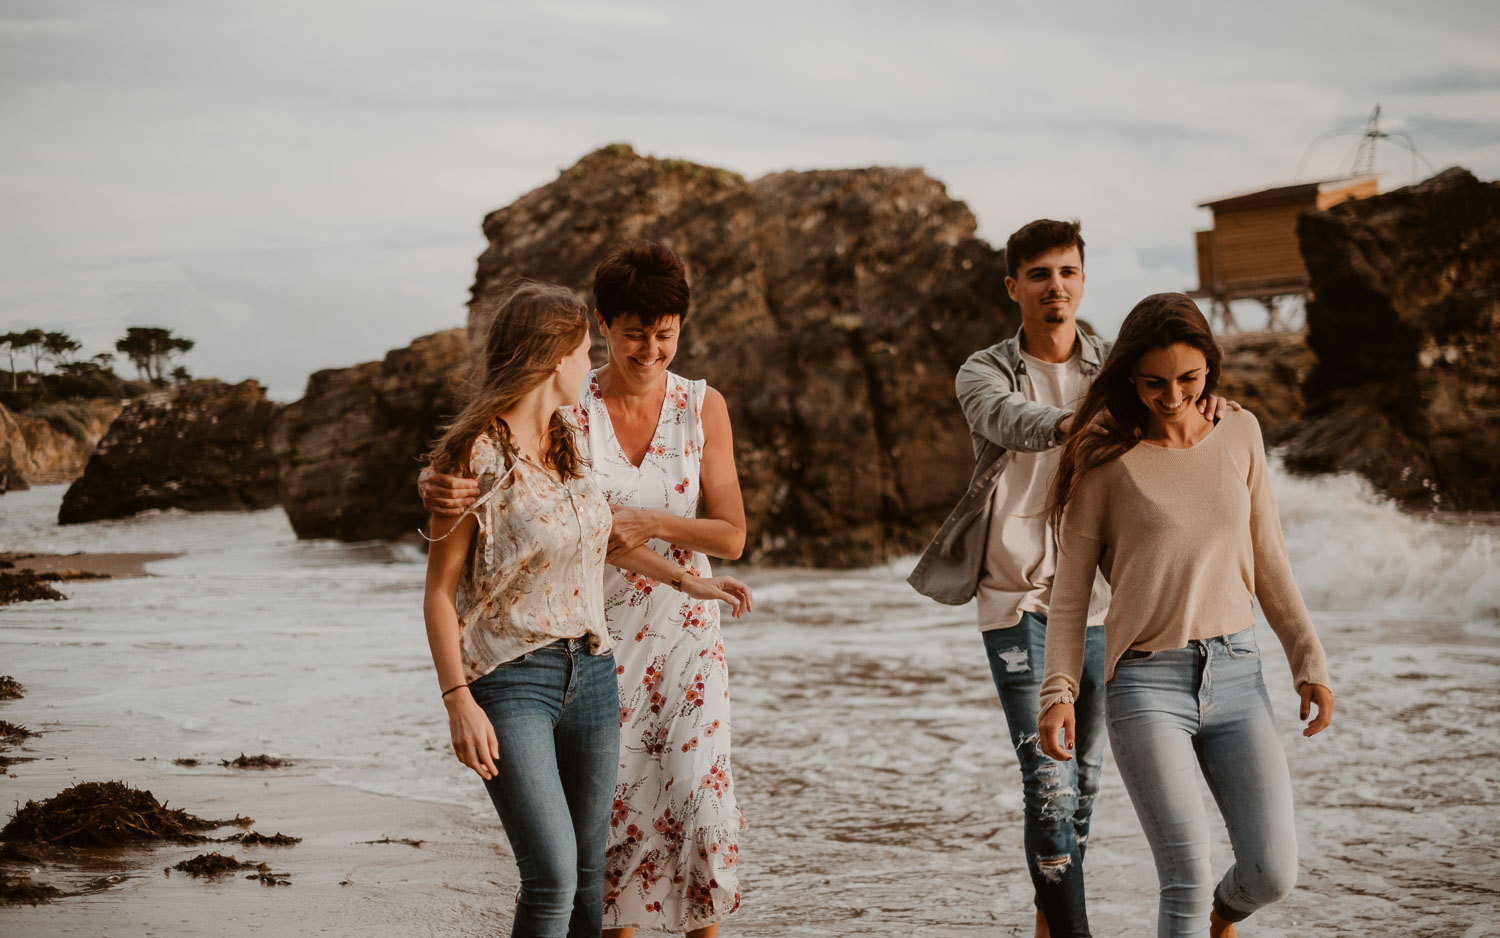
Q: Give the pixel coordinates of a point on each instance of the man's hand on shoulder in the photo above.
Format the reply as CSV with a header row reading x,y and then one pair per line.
x,y
1214,407
445,495
1065,425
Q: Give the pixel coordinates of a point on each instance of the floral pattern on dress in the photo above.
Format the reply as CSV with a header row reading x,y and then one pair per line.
x,y
673,855
537,538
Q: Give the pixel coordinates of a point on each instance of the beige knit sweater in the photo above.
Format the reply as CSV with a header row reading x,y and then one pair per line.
x,y
1186,538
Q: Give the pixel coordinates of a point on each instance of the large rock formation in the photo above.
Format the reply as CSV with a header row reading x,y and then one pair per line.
x,y
1264,372
1406,327
54,447
348,450
201,448
831,308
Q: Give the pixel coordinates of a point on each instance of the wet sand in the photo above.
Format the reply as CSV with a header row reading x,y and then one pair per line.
x,y
457,883
89,564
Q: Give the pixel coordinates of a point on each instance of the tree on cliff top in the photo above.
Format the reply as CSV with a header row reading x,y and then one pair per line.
x,y
150,350
31,340
60,347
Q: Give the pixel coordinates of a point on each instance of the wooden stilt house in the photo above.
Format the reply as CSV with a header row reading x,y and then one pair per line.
x,y
1252,253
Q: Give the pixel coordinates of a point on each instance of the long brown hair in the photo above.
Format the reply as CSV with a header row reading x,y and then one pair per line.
x,y
533,325
1160,320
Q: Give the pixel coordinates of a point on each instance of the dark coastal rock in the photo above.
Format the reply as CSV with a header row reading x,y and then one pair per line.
x,y
200,448
1405,324
1264,372
348,450
831,308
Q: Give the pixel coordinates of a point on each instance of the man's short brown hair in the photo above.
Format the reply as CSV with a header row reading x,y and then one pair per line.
x,y
645,278
1038,238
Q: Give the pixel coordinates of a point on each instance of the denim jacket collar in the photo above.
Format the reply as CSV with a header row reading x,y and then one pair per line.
x,y
1088,347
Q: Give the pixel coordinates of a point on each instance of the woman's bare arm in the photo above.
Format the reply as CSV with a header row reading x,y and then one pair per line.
x,y
473,735
721,531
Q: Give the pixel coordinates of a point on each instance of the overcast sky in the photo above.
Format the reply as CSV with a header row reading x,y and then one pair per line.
x,y
299,185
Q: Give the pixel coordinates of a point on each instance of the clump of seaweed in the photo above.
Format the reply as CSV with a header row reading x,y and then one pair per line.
x,y
277,839
25,587
103,814
261,761
19,888
404,840
12,734
188,761
267,878
216,864
10,688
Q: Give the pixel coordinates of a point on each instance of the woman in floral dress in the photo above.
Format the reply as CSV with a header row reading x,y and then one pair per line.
x,y
658,441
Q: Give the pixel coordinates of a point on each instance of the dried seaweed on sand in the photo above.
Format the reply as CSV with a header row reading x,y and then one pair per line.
x,y
17,889
103,814
261,761
216,864
275,840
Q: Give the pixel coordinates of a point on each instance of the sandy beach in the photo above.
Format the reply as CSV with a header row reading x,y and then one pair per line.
x,y
118,564
871,757
455,883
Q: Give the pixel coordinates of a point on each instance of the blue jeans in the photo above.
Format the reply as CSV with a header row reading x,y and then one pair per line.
x,y
1205,705
556,714
1058,796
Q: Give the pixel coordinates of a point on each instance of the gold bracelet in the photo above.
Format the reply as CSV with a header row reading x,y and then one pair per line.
x,y
677,578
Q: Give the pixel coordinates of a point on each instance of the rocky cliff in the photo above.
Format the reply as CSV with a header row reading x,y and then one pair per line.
x,y
53,447
14,455
348,450
201,448
1264,372
831,308
1405,324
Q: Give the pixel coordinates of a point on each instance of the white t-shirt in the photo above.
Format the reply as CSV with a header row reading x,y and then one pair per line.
x,y
1021,555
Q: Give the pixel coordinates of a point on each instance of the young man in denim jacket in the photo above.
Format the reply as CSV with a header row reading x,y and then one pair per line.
x,y
998,547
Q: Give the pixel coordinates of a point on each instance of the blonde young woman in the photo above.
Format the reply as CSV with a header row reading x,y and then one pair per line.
x,y
515,611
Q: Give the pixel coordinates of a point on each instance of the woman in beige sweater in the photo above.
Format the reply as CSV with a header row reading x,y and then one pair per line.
x,y
1177,512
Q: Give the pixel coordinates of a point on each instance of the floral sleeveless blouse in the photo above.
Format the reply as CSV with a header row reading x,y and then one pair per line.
x,y
536,566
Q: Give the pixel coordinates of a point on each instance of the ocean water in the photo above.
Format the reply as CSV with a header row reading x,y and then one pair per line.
x,y
871,756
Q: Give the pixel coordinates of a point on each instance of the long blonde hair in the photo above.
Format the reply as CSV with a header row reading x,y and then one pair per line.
x,y
533,325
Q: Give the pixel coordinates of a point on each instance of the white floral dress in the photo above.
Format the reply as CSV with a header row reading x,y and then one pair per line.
x,y
673,852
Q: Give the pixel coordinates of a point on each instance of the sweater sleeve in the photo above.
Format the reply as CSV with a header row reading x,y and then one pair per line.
x,y
1080,545
1274,585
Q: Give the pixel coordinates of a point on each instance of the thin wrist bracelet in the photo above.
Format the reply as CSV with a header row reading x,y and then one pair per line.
x,y
453,688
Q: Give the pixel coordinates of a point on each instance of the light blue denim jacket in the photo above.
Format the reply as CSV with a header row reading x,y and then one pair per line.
x,y
1001,420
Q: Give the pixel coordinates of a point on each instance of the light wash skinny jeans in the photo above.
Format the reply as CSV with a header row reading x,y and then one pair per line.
x,y
1204,705
556,713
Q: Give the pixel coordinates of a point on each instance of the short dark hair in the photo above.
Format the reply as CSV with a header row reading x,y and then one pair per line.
x,y
645,278
1038,238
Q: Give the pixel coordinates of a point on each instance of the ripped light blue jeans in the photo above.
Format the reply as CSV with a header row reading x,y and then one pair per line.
x,y
1205,706
1058,797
